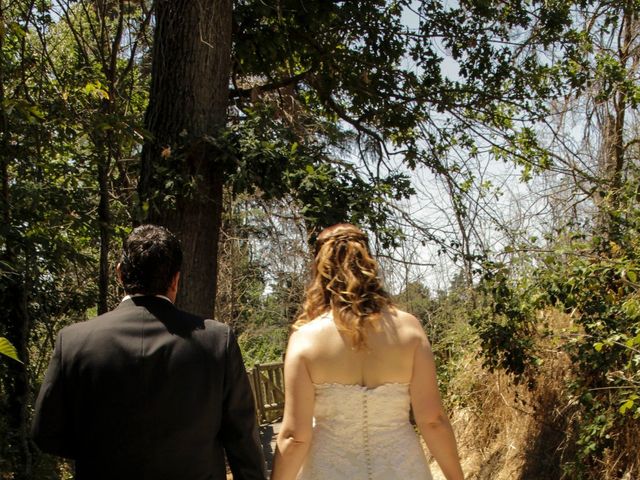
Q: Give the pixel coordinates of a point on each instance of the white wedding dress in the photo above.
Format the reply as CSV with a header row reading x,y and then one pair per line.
x,y
364,433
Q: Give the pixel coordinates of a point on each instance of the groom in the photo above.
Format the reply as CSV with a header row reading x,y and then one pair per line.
x,y
148,391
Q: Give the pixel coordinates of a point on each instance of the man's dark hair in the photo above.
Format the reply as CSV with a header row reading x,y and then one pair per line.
x,y
151,256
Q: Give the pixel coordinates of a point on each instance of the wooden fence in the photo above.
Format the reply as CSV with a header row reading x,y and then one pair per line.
x,y
267,383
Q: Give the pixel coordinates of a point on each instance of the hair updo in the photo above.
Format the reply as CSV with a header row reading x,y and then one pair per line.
x,y
345,281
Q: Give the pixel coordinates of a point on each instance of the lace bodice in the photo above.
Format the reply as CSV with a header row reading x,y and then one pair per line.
x,y
364,433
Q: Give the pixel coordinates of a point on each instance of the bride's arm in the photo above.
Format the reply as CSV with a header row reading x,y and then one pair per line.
x,y
429,413
297,424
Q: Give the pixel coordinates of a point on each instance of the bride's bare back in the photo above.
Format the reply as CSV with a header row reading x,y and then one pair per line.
x,y
388,357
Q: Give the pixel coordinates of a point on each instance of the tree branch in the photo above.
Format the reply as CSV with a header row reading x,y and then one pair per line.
x,y
246,92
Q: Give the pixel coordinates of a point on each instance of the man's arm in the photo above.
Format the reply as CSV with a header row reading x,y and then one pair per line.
x,y
239,432
51,427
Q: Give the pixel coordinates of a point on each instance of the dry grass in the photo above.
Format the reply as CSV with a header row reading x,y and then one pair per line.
x,y
508,432
626,456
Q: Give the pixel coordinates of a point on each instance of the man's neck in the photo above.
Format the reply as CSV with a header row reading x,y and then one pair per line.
x,y
131,295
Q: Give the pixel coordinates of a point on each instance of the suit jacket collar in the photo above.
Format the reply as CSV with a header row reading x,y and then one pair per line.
x,y
146,301
176,321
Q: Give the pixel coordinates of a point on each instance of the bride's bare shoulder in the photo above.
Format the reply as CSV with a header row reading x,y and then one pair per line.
x,y
306,335
402,318
406,323
318,325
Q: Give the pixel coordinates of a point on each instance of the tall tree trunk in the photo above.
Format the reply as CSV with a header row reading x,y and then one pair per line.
x,y
4,138
104,226
105,143
181,178
13,302
14,305
613,150
465,242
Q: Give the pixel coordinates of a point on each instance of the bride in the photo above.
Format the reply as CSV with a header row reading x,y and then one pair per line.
x,y
353,367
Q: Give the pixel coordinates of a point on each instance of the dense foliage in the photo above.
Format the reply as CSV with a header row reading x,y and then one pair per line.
x,y
593,280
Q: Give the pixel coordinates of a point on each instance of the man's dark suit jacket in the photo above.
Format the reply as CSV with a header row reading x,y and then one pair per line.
x,y
147,391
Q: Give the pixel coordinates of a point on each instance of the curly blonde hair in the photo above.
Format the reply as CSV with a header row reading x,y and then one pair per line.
x,y
345,281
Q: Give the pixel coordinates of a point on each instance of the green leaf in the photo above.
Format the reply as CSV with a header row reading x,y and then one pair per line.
x,y
632,276
9,350
626,406
598,346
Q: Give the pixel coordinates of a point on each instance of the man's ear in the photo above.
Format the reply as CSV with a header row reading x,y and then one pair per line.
x,y
119,273
173,288
175,282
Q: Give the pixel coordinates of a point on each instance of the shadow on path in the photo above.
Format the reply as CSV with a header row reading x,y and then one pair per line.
x,y
268,435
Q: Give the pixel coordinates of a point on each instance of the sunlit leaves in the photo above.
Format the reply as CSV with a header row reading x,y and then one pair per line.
x,y
6,348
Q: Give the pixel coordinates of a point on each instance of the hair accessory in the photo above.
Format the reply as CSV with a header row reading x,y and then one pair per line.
x,y
342,237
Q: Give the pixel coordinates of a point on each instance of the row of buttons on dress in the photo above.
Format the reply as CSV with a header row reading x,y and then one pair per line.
x,y
365,433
